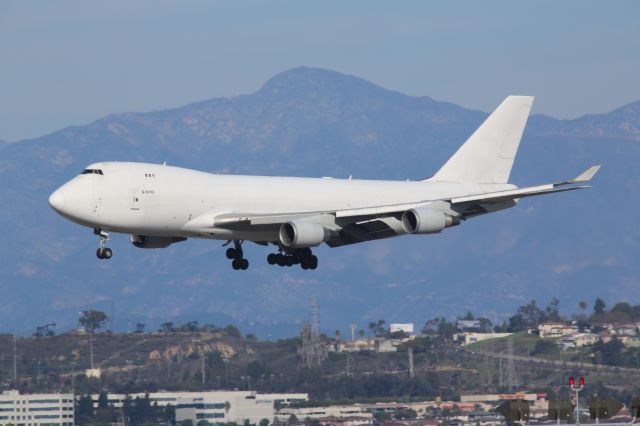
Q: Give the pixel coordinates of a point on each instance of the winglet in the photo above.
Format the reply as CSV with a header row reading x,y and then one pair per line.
x,y
586,175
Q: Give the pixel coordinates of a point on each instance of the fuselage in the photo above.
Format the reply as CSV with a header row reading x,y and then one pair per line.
x,y
160,200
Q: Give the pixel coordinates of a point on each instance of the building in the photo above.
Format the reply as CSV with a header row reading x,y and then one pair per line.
x,y
376,345
549,330
355,411
502,397
163,399
469,338
36,409
405,328
577,340
220,407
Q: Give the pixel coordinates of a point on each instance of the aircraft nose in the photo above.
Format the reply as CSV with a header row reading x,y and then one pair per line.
x,y
56,200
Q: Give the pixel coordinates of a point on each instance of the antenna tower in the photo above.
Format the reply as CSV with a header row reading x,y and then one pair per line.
x,y
512,381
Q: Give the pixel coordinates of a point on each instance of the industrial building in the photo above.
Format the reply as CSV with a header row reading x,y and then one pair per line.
x,y
224,407
163,399
36,409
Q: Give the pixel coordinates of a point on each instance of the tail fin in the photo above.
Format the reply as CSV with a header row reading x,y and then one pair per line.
x,y
487,156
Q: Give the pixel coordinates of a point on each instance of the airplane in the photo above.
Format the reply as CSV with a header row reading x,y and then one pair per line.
x,y
159,205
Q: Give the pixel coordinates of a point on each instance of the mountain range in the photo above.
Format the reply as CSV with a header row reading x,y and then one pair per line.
x,y
316,122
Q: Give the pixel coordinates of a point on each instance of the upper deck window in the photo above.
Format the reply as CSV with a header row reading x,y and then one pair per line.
x,y
92,171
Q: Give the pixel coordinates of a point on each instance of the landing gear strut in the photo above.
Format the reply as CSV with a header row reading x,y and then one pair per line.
x,y
235,253
103,252
303,257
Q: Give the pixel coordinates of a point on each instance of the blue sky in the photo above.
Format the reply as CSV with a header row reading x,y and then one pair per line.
x,y
71,62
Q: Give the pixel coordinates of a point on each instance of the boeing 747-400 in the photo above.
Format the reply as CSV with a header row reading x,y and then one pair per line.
x,y
159,205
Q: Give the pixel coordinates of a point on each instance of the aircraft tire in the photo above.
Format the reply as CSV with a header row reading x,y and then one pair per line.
x,y
107,253
99,254
235,264
243,263
271,258
231,253
313,262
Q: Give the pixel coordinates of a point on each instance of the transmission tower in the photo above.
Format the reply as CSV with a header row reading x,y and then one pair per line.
x,y
512,381
312,352
488,374
412,373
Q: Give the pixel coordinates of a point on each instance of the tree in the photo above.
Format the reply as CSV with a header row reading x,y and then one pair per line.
x,y
264,422
468,316
84,409
623,311
552,311
103,400
527,316
405,414
257,369
232,330
167,327
599,307
92,320
609,353
544,347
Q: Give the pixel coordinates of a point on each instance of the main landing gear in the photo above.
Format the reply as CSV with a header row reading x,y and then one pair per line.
x,y
302,257
103,252
285,257
235,253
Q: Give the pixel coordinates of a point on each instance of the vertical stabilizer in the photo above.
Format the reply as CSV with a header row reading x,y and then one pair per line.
x,y
487,156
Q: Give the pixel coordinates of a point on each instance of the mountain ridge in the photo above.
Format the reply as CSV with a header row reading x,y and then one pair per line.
x,y
554,246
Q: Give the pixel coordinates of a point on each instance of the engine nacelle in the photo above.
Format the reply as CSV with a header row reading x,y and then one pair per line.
x,y
147,242
300,233
425,220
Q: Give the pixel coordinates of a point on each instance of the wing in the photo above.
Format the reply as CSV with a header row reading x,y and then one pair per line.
x,y
351,226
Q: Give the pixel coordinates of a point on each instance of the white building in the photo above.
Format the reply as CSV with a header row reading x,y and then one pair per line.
x,y
469,338
549,330
333,411
162,399
36,409
220,407
406,328
577,340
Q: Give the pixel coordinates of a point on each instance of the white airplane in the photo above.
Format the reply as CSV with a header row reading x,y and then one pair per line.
x,y
160,205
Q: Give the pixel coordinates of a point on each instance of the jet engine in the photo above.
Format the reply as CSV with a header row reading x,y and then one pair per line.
x,y
300,233
425,220
147,242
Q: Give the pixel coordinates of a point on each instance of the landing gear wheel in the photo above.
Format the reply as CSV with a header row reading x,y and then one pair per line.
x,y
243,263
235,264
103,252
272,258
313,262
231,253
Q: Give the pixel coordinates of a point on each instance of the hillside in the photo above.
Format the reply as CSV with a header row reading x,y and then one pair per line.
x,y
313,122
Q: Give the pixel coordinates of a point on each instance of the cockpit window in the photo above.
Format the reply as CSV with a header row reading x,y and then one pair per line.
x,y
92,171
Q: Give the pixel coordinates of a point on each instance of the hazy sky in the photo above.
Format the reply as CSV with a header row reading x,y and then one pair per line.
x,y
71,62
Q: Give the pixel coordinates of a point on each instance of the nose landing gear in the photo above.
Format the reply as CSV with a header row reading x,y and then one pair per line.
x,y
103,252
235,253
